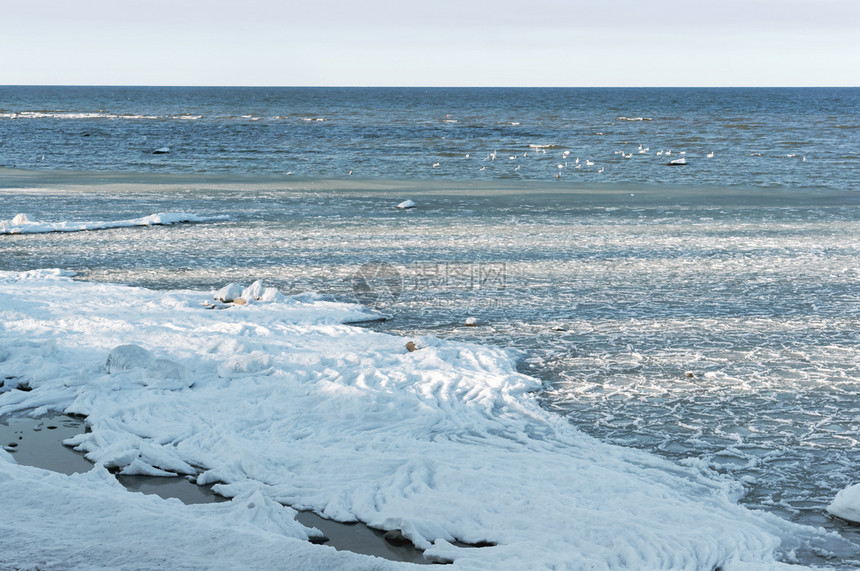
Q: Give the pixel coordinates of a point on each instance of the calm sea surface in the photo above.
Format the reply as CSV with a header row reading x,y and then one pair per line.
x,y
707,312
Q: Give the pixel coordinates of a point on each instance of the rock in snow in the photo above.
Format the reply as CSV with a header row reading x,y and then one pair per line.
x,y
229,293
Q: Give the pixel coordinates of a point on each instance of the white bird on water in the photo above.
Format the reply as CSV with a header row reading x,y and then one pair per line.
x,y
589,163
601,170
710,155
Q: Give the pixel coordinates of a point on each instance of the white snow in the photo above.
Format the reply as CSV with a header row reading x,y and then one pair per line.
x,y
846,504
21,224
280,403
89,521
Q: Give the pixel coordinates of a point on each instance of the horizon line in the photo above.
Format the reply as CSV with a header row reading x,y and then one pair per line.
x,y
275,86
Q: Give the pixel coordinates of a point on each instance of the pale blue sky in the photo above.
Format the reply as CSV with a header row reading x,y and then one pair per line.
x,y
431,42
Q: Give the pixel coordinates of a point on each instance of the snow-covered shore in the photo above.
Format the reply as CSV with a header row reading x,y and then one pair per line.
x,y
279,402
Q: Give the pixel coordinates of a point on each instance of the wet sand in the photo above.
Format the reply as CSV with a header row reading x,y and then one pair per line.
x,y
39,442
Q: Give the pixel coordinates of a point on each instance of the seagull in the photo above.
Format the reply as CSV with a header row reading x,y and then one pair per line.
x,y
561,166
710,155
659,153
434,166
601,170
589,163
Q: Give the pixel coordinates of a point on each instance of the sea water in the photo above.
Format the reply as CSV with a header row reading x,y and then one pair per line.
x,y
707,313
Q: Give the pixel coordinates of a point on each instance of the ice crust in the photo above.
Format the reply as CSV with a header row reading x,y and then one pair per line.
x,y
280,403
21,224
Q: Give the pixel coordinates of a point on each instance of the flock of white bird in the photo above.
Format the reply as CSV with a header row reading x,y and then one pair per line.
x,y
576,163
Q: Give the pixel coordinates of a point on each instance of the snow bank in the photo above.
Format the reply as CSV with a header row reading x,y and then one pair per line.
x,y
846,504
89,521
21,224
443,443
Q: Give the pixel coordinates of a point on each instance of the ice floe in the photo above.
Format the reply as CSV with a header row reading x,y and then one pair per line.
x,y
21,223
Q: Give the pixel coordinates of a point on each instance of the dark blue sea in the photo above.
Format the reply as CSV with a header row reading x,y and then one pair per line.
x,y
805,138
708,312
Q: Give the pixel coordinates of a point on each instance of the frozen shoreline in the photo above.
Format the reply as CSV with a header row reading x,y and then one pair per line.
x,y
278,402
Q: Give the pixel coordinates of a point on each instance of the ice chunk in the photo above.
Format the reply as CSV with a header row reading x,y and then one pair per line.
x,y
272,294
253,291
126,357
846,504
406,204
158,373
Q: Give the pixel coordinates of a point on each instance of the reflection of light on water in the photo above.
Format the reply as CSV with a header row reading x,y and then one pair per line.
x,y
758,302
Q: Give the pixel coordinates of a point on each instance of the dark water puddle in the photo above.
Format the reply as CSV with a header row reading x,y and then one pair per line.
x,y
38,442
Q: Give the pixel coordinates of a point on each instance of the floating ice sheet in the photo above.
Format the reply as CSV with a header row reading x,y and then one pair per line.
x,y
21,224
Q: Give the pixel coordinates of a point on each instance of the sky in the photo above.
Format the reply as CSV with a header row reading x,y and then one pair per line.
x,y
575,43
